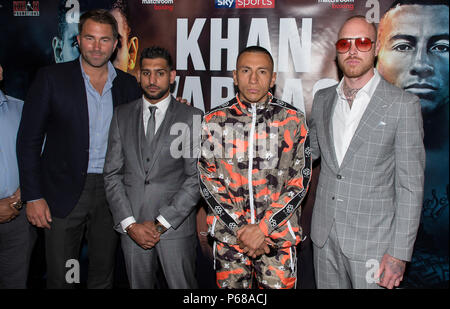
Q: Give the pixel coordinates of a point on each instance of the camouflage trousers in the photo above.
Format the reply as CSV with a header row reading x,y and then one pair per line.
x,y
235,270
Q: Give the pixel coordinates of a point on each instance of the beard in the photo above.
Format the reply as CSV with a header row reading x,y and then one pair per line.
x,y
95,62
156,96
355,71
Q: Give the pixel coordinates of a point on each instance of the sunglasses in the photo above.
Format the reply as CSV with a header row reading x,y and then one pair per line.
x,y
362,44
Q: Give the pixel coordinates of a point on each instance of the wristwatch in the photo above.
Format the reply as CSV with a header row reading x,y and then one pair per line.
x,y
130,226
159,227
18,205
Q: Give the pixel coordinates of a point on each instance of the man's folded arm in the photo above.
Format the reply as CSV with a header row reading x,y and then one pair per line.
x,y
185,200
113,175
30,136
296,186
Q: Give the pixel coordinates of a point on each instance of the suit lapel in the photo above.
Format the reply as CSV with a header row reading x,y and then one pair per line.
x,y
328,117
138,131
115,91
163,132
372,116
80,97
115,94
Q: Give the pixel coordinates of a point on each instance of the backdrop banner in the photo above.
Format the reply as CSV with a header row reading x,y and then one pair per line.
x,y
205,37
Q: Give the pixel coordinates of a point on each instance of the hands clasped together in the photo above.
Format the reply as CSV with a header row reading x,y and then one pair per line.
x,y
144,234
253,241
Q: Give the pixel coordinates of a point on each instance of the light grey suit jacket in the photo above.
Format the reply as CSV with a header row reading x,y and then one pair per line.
x,y
170,188
375,196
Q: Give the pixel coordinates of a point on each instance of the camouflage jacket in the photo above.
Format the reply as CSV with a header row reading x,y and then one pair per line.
x,y
264,186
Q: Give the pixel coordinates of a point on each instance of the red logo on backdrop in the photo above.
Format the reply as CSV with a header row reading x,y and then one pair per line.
x,y
26,8
255,4
160,4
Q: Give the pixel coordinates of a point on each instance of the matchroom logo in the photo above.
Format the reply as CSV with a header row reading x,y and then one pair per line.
x,y
245,4
160,4
339,4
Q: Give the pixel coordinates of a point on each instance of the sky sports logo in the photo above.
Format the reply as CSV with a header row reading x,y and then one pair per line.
x,y
245,4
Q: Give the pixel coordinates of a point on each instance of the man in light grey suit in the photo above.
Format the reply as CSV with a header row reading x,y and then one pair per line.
x,y
151,178
369,136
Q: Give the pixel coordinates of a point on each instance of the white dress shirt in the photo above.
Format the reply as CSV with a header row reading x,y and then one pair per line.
x,y
345,120
160,111
159,117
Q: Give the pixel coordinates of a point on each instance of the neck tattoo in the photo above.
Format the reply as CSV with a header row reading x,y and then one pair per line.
x,y
350,93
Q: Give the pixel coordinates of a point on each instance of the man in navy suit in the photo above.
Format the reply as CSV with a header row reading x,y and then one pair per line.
x,y
68,109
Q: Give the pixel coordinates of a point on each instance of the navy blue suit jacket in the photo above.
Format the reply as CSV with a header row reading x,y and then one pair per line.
x,y
56,109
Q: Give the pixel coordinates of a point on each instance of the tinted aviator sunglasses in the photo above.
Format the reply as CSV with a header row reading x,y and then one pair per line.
x,y
362,44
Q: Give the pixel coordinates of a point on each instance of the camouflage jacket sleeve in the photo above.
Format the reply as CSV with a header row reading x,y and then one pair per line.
x,y
295,184
212,186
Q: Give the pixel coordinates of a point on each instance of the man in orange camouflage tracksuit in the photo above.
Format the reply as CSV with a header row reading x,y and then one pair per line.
x,y
255,168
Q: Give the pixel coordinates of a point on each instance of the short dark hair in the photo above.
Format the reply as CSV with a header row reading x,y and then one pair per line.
x,y
418,2
84,5
399,3
100,16
154,52
255,49
87,5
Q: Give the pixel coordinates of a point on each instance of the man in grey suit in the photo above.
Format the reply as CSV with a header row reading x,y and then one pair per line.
x,y
369,136
151,178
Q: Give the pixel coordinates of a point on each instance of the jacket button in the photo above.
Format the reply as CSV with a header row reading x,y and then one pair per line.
x,y
339,177
147,182
332,198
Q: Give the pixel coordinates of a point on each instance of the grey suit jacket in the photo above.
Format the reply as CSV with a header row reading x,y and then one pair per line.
x,y
375,196
170,188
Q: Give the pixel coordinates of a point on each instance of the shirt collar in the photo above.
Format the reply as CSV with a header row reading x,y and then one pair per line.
x,y
3,98
369,88
260,105
161,105
111,72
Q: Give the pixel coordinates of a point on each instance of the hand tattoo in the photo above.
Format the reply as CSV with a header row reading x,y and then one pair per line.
x,y
396,266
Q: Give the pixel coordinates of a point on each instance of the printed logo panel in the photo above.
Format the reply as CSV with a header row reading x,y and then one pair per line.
x,y
245,4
